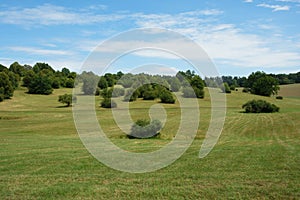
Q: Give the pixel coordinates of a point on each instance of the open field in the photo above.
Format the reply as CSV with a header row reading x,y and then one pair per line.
x,y
42,157
292,90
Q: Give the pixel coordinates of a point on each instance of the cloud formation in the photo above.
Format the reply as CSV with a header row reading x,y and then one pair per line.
x,y
275,8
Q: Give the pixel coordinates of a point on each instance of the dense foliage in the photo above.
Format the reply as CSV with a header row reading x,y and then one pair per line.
x,y
144,129
260,106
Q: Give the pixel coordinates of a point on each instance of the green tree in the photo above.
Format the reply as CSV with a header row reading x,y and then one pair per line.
x,y
174,84
29,75
110,78
108,103
69,83
90,81
265,86
41,66
65,71
67,99
40,84
225,88
6,87
17,69
102,84
166,97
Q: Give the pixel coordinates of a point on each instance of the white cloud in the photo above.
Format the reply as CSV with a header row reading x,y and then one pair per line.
x,y
48,14
37,51
248,1
275,7
289,1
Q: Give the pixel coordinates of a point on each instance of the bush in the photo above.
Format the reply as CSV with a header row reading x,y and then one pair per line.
x,y
279,97
260,106
118,92
150,95
144,129
108,103
166,97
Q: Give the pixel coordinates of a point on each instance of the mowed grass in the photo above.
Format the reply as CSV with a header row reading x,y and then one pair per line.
x,y
42,157
292,90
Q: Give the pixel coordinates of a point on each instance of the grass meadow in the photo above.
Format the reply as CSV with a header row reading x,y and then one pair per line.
x,y
256,157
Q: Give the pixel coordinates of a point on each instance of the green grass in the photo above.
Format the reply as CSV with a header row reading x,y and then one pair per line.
x,y
42,157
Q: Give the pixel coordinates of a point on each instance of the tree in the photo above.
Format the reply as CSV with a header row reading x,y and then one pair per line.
x,y
225,88
265,86
6,87
174,84
166,97
29,75
262,84
67,99
69,83
65,71
90,81
108,103
17,69
40,84
40,66
111,80
102,84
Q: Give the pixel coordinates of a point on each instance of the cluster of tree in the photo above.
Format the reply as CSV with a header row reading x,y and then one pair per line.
x,y
193,85
258,83
9,81
42,79
39,79
237,81
260,106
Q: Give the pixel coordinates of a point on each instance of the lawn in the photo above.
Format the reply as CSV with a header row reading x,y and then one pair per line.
x,y
42,157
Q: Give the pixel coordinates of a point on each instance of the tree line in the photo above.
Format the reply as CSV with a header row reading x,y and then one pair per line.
x,y
42,79
39,79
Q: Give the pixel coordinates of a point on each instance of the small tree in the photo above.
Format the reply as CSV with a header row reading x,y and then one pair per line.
x,y
67,99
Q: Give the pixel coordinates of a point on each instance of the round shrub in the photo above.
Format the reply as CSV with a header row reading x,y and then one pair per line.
x,y
144,129
108,103
167,97
150,95
260,106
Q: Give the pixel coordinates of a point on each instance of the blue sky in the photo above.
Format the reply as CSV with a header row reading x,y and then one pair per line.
x,y
240,36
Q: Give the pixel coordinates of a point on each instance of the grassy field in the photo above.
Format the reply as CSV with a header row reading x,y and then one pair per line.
x,y
42,157
290,90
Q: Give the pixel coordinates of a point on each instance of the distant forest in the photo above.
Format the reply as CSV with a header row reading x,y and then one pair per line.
x,y
42,79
